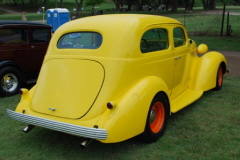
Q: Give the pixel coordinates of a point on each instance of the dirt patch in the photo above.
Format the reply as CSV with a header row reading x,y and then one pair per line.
x,y
233,62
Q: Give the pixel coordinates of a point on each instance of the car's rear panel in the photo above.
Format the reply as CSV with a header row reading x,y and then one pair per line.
x,y
62,93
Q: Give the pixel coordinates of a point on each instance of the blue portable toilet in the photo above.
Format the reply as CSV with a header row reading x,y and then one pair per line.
x,y
49,14
60,16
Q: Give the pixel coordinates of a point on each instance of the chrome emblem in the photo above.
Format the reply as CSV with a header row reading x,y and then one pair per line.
x,y
52,109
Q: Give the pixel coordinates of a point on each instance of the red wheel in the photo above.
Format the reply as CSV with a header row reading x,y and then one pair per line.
x,y
219,80
156,120
157,117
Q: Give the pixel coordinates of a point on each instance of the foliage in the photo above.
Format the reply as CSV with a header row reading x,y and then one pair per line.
x,y
79,6
93,3
131,4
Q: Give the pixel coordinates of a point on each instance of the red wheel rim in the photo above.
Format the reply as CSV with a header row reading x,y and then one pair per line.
x,y
220,77
157,117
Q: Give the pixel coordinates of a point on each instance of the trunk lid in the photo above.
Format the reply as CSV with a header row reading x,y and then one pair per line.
x,y
67,87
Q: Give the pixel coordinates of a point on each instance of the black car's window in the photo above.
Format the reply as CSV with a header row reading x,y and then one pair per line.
x,y
11,36
86,40
154,40
40,35
179,37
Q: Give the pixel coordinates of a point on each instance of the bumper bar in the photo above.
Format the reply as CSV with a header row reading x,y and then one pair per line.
x,y
81,131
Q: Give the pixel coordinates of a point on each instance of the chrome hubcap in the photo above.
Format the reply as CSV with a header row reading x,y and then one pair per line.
x,y
9,82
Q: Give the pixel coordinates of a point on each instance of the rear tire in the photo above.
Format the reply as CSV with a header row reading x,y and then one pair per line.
x,y
10,81
156,120
219,79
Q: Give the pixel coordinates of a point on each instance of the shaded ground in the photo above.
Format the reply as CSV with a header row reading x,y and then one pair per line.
x,y
233,60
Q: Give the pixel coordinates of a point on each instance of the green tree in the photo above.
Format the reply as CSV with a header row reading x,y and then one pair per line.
x,y
174,5
154,4
56,2
212,4
118,4
79,6
129,4
189,4
23,4
209,4
93,3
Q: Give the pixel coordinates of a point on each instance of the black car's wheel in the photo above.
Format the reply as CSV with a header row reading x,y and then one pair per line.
x,y
219,80
156,120
10,81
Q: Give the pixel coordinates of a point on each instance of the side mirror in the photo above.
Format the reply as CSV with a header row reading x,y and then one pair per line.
x,y
202,48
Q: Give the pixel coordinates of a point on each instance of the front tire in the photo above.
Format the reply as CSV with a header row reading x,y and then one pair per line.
x,y
10,81
156,120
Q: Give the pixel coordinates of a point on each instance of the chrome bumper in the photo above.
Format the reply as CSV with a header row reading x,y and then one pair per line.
x,y
81,131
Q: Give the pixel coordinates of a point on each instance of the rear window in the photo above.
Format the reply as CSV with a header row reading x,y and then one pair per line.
x,y
85,40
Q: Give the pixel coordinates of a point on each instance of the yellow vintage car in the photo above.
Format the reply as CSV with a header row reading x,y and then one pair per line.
x,y
114,77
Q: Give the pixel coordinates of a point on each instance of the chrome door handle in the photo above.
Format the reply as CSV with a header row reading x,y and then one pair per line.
x,y
177,57
32,46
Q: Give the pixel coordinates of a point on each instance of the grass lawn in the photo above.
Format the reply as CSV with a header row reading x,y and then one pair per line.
x,y
207,129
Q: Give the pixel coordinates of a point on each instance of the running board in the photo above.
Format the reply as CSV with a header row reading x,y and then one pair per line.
x,y
31,81
184,99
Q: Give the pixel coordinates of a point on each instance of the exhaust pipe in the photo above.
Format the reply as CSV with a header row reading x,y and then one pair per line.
x,y
85,143
28,128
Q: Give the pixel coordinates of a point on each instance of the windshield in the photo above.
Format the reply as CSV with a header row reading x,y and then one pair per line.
x,y
85,40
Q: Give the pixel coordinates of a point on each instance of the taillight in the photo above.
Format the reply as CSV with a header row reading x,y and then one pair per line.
x,y
23,91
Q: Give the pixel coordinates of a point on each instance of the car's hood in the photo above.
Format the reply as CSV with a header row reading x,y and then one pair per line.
x,y
67,87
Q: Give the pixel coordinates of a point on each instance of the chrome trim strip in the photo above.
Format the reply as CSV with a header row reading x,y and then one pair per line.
x,y
81,131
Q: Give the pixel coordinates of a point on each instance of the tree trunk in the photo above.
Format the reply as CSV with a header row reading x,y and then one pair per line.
x,y
44,2
118,4
212,4
61,3
55,3
23,5
130,2
205,4
167,3
15,2
189,4
174,5
79,7
192,4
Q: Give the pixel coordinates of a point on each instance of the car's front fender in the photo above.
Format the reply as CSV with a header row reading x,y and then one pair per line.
x,y
129,116
205,71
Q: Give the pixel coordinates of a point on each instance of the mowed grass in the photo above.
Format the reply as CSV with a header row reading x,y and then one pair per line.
x,y
207,129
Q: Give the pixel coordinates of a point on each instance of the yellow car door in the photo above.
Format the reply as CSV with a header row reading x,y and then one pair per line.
x,y
182,61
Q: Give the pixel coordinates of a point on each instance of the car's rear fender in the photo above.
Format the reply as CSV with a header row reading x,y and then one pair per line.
x,y
129,116
204,72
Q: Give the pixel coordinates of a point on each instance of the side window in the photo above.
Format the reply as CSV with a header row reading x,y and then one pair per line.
x,y
154,40
179,37
40,35
12,36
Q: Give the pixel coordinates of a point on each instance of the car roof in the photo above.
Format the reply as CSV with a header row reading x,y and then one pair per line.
x,y
118,21
12,22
